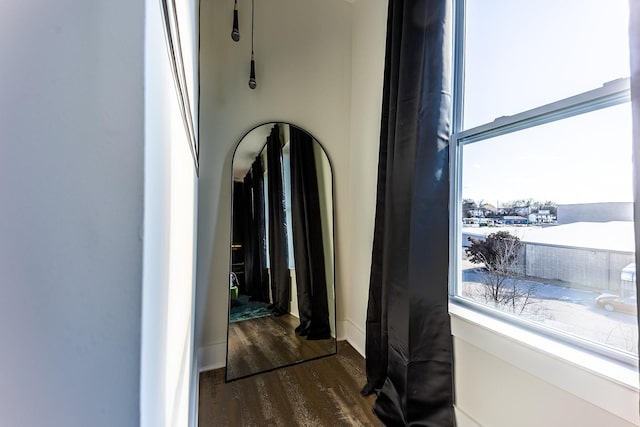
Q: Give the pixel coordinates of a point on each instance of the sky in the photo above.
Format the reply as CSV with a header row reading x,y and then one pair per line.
x,y
577,45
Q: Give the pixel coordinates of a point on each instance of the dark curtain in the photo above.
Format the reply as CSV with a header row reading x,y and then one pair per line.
x,y
239,220
634,47
257,284
278,262
249,231
260,272
308,244
409,344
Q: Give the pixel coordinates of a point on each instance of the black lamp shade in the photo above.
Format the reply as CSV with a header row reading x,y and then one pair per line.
x,y
252,76
235,33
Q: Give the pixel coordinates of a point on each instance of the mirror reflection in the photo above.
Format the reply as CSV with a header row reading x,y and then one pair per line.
x,y
281,285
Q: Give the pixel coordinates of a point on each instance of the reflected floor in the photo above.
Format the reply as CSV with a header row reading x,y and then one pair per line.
x,y
243,308
265,343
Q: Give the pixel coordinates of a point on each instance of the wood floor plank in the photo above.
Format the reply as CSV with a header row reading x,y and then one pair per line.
x,y
261,344
322,392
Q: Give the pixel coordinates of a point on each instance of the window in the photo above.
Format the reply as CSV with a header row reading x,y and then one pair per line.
x,y
542,170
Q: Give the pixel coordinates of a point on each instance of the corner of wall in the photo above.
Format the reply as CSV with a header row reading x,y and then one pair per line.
x,y
212,357
353,334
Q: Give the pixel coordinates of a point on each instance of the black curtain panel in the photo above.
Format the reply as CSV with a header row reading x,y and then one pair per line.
x,y
260,268
409,344
249,230
634,47
238,234
278,262
308,246
259,290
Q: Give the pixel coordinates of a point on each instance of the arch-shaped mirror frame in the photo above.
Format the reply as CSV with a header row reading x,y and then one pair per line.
x,y
229,374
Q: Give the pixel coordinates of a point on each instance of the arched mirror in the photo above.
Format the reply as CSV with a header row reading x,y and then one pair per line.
x,y
281,281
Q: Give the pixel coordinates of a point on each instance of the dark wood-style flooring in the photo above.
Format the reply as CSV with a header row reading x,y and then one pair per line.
x,y
261,344
321,392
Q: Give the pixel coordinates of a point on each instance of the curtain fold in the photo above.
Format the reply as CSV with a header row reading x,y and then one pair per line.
x,y
308,243
278,261
259,276
239,233
248,240
252,217
408,339
261,273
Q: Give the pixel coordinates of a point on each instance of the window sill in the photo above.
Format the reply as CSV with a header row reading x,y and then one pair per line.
x,y
608,384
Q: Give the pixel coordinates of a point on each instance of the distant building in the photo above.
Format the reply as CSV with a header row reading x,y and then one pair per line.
x,y
595,212
479,222
543,216
515,220
522,210
486,210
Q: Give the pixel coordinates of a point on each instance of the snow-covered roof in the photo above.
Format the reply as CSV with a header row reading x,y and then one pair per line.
x,y
611,236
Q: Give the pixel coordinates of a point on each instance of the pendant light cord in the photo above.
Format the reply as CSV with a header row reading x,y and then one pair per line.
x,y
252,19
252,74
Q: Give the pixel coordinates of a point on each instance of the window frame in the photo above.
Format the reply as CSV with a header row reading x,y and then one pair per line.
x,y
610,94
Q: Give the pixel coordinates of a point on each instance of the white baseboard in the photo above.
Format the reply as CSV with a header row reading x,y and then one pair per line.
x,y
341,328
349,331
212,357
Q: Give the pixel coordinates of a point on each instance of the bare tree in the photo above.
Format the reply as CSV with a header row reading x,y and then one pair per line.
x,y
499,253
468,205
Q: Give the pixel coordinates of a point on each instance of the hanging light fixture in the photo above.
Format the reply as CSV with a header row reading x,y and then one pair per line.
x,y
252,75
235,33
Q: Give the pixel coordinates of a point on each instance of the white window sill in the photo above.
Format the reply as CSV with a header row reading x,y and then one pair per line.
x,y
610,385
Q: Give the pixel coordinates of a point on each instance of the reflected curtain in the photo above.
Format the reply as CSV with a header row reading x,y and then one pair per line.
x,y
249,232
308,244
278,261
260,272
634,47
409,357
257,285
239,233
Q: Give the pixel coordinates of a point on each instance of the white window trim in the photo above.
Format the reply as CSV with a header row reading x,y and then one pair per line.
x,y
612,93
514,339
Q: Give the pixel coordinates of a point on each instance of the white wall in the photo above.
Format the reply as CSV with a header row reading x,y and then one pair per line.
x,y
71,189
168,381
368,47
303,70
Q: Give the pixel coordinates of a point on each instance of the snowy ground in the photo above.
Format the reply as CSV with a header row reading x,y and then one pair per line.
x,y
570,310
